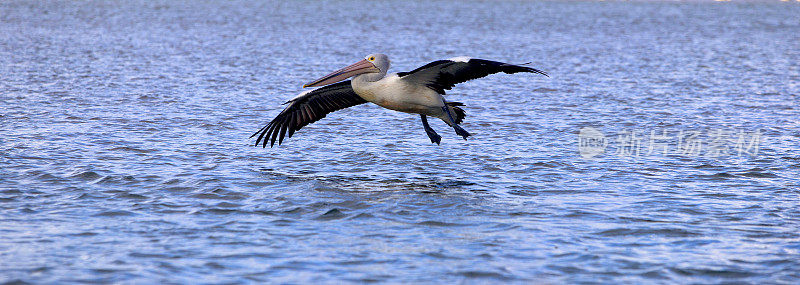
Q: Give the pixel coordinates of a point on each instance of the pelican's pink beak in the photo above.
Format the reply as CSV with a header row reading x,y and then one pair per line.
x,y
360,67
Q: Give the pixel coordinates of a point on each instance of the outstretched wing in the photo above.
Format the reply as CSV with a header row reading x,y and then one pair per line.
x,y
442,75
306,108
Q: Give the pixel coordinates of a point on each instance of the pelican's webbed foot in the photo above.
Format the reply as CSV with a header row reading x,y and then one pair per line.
x,y
459,130
435,138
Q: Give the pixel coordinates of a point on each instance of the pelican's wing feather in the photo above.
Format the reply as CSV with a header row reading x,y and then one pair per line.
x,y
306,108
442,75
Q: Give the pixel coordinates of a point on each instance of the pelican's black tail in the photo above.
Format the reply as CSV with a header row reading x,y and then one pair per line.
x,y
458,113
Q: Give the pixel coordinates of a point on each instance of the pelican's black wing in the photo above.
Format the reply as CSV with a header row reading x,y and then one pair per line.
x,y
306,108
442,75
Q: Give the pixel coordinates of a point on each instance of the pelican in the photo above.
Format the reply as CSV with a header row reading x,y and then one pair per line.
x,y
417,92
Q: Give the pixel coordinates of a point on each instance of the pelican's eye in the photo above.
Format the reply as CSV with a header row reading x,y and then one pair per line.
x,y
371,58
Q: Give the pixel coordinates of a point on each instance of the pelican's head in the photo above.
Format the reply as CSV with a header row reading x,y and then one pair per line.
x,y
373,63
381,61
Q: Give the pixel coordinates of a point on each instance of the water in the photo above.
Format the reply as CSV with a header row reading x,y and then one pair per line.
x,y
125,152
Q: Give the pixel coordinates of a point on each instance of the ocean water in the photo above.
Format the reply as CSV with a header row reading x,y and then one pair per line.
x,y
125,154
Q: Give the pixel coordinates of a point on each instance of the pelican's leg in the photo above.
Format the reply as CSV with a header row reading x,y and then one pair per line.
x,y
459,131
435,138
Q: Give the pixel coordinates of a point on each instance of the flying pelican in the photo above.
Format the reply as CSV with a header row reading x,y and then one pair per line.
x,y
418,92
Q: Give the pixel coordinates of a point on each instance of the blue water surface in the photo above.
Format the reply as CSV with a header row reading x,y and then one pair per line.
x,y
125,157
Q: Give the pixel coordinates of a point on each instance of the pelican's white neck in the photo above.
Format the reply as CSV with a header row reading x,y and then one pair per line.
x,y
369,77
366,85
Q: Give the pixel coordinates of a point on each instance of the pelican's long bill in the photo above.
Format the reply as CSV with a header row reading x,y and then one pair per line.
x,y
357,68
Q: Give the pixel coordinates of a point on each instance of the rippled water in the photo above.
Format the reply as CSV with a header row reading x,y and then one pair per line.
x,y
125,152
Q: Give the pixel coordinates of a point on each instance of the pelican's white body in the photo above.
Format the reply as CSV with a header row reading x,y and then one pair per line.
x,y
391,92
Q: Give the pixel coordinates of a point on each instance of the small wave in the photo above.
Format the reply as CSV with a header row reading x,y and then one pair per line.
x,y
439,224
758,174
708,272
666,232
362,216
716,176
218,211
332,214
132,196
484,274
115,213
85,175
132,149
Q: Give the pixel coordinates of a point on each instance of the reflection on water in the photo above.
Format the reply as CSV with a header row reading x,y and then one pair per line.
x,y
126,158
